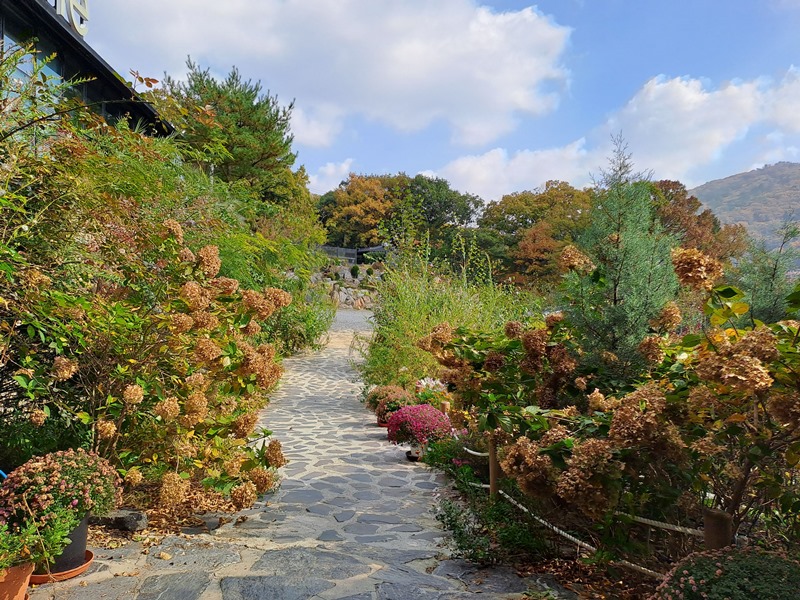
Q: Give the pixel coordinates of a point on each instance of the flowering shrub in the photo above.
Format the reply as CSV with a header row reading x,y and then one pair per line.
x,y
391,402
76,480
732,574
35,541
378,393
418,425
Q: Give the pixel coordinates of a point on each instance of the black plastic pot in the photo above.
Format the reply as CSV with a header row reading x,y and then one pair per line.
x,y
74,555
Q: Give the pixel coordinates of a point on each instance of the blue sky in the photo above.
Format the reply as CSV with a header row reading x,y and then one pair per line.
x,y
495,97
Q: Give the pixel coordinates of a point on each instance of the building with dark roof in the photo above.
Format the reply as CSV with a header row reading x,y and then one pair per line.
x,y
59,27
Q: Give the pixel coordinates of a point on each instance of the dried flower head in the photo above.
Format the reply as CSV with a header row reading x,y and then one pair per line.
x,y
651,349
263,479
572,259
244,495
257,303
196,403
105,430
760,343
252,328
442,334
63,368
244,424
173,491
186,256
694,269
37,418
196,381
553,319
225,286
513,329
205,320
581,383
494,361
274,454
590,469
168,409
33,279
534,342
232,467
206,351
195,296
133,395
533,472
181,323
208,261
133,478
598,402
278,297
668,319
785,409
174,229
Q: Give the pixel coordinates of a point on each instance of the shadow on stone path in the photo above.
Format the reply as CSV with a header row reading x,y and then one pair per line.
x,y
352,520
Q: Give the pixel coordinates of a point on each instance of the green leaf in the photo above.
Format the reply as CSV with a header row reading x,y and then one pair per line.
x,y
84,417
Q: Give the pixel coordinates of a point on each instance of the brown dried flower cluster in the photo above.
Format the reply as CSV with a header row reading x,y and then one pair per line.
x,y
513,330
583,483
494,361
274,454
260,363
225,286
244,424
133,478
257,303
168,409
668,319
706,446
175,230
598,402
760,343
561,363
204,320
694,269
197,381
553,319
278,297
534,342
133,395
34,279
181,323
208,260
233,466
195,296
252,328
572,259
206,350
105,429
652,350
740,372
63,368
581,383
263,479
557,433
173,491
635,421
186,255
244,495
37,418
785,409
533,472
195,408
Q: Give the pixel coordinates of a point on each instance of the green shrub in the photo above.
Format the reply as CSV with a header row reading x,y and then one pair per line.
x,y
370,271
392,403
354,270
378,393
732,574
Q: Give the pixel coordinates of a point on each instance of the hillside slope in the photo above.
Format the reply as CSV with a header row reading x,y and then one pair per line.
x,y
760,199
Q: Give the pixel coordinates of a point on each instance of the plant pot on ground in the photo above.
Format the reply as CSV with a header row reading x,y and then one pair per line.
x,y
417,426
72,483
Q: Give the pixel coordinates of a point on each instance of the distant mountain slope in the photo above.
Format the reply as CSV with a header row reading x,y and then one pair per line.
x,y
760,199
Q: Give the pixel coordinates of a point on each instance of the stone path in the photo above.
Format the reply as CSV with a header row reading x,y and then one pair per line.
x,y
352,521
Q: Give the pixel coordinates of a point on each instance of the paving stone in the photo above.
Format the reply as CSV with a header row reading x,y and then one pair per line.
x,y
498,579
363,495
319,509
374,539
394,591
192,554
174,586
406,528
302,497
299,562
345,516
330,536
402,575
384,519
341,502
361,528
272,587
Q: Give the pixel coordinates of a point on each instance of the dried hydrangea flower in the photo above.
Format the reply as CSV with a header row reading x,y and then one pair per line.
x,y
37,418
252,328
225,285
206,350
175,229
244,424
553,319
133,395
494,361
186,256
274,454
195,296
513,329
208,260
204,320
196,381
257,303
133,478
694,269
668,319
181,323
244,495
168,409
650,348
263,479
105,429
278,297
63,368
572,259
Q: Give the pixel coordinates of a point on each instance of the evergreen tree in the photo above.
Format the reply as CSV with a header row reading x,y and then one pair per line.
x,y
632,278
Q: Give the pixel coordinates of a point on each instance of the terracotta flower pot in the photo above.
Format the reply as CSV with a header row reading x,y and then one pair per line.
x,y
63,575
14,584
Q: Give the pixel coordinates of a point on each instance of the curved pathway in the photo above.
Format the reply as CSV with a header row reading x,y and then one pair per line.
x,y
352,520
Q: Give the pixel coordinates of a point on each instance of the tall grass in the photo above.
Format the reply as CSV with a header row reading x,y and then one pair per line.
x,y
416,295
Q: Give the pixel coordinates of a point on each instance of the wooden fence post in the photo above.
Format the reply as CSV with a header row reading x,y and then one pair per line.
x,y
717,529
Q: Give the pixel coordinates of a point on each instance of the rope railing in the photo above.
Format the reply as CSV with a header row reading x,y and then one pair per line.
x,y
578,542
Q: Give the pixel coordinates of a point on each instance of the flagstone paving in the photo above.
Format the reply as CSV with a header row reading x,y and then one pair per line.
x,y
353,519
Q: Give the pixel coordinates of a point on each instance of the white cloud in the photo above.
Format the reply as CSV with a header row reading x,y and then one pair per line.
x,y
316,128
678,128
329,176
403,63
